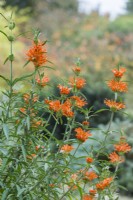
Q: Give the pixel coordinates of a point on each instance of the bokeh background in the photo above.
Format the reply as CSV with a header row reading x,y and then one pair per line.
x,y
99,32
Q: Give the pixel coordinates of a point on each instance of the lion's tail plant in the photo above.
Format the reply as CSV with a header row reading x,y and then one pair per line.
x,y
34,162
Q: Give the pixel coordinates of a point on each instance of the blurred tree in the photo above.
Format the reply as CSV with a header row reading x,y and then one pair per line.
x,y
129,6
20,4
66,5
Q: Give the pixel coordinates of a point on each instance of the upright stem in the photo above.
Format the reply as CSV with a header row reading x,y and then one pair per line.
x,y
11,79
11,67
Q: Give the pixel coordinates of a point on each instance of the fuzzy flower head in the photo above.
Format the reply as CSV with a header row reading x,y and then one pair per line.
x,y
104,184
90,176
66,148
37,54
79,102
113,105
87,197
89,160
64,90
117,86
115,158
118,73
66,109
122,147
77,82
43,81
77,70
81,134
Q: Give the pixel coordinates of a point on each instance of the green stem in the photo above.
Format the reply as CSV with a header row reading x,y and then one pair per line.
x,y
11,79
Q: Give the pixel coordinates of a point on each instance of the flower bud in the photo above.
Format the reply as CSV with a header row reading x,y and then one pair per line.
x,y
11,25
11,38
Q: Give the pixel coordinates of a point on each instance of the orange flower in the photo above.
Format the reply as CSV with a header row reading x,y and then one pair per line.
x,y
114,105
27,98
64,90
82,135
122,147
42,82
36,124
90,176
66,148
77,70
66,109
89,160
105,183
85,123
54,105
92,192
87,197
117,86
37,54
31,156
79,102
119,73
115,158
77,82
23,110
74,176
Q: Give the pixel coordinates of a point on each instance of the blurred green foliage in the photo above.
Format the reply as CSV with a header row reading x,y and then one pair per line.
x,y
129,6
123,24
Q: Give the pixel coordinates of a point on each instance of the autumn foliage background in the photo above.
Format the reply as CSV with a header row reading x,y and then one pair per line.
x,y
100,43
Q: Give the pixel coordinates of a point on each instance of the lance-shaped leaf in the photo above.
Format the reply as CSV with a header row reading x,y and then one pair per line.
x,y
21,78
6,130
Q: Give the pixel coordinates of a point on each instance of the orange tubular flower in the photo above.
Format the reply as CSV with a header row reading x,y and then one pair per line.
x,y
89,160
77,82
64,90
115,158
77,70
31,156
66,148
26,97
42,82
79,102
66,109
122,147
117,86
87,197
114,105
103,184
23,110
82,135
90,176
37,54
36,124
54,105
85,123
92,192
119,73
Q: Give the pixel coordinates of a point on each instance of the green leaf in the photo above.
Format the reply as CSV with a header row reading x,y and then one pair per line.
x,y
4,151
26,63
47,67
6,60
28,122
23,152
6,130
4,34
20,191
21,78
5,193
5,79
101,110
